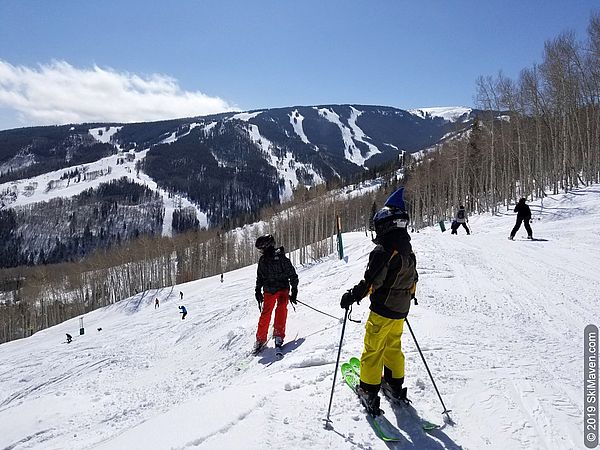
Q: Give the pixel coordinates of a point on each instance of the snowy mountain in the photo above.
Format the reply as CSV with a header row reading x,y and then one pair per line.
x,y
283,146
217,170
500,324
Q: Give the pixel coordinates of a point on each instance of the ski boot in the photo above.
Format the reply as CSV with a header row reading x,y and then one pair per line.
x,y
258,347
511,238
370,400
395,392
530,237
278,346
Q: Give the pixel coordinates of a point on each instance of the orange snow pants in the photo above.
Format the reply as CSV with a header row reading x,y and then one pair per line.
x,y
281,298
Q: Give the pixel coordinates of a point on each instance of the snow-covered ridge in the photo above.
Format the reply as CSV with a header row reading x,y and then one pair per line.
x,y
245,116
448,113
104,134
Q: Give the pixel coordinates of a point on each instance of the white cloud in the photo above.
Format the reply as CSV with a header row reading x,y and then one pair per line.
x,y
59,93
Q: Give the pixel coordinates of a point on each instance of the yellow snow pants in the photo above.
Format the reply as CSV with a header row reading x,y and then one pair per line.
x,y
382,347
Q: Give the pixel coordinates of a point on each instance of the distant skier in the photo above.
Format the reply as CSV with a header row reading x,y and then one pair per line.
x,y
274,275
390,279
69,338
523,216
181,295
183,312
221,278
460,219
156,303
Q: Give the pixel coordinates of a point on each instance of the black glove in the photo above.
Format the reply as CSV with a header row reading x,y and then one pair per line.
x,y
259,297
347,300
360,290
293,295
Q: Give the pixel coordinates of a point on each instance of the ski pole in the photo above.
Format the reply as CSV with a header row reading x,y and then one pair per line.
x,y
446,410
315,309
337,363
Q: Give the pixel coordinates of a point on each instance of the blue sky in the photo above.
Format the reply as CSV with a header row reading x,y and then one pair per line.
x,y
197,57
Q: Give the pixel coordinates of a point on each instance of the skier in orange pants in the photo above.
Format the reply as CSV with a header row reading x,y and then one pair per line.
x,y
275,274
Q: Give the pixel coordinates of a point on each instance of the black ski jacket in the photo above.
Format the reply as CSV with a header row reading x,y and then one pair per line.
x,y
275,272
390,276
523,211
461,216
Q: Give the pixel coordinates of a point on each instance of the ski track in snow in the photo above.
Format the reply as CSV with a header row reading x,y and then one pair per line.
x,y
499,322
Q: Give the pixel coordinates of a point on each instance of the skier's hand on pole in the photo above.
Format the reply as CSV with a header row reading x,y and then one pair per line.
x,y
347,300
259,299
294,295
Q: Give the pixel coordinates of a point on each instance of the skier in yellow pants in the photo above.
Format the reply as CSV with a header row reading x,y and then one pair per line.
x,y
390,279
383,349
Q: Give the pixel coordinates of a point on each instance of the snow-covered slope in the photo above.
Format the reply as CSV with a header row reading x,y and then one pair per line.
x,y
33,190
500,324
448,113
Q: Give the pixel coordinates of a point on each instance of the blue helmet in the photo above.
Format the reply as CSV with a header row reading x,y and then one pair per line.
x,y
388,219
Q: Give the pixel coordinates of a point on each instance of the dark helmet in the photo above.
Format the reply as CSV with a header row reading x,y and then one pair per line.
x,y
264,242
388,219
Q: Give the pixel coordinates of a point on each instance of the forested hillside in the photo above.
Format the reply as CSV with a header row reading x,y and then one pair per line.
x,y
67,229
217,173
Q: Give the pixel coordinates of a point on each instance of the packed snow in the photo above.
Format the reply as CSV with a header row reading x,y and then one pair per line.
x,y
500,324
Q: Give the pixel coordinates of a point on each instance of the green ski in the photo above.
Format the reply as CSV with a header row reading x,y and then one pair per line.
x,y
425,424
382,427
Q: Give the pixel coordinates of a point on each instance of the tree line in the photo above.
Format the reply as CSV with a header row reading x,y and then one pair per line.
x,y
548,138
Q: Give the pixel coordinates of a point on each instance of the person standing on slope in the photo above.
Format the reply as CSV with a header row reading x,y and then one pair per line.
x,y
523,216
183,312
390,279
460,219
274,275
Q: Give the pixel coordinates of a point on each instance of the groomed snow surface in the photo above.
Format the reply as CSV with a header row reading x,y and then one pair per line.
x,y
500,323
